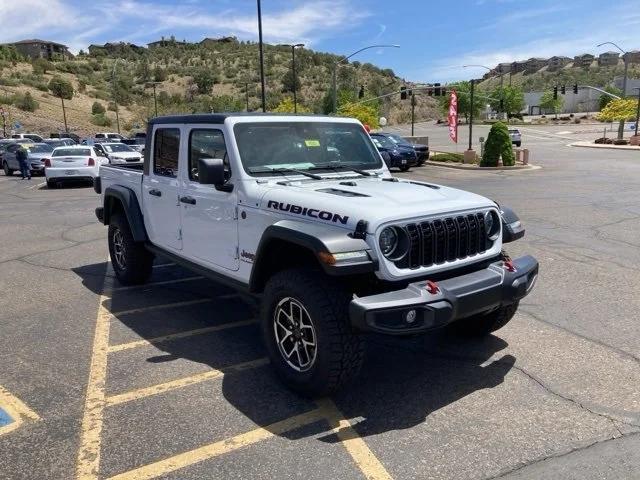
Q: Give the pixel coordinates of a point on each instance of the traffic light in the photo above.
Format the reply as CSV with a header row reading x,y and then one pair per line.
x,y
361,92
575,88
436,90
403,93
555,92
562,90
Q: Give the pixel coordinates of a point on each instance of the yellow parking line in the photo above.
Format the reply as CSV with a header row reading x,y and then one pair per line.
x,y
176,336
88,463
153,284
16,409
163,306
182,382
363,457
216,449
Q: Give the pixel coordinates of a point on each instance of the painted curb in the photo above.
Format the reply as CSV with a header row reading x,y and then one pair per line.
x,y
520,168
598,145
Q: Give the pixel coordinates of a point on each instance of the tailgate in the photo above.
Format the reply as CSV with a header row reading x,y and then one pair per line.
x,y
69,161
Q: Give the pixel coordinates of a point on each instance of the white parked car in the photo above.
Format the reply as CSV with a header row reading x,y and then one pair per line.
x,y
108,136
516,136
72,163
118,153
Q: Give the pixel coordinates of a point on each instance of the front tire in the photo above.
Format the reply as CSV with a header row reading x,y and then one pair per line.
x,y
131,261
7,171
485,323
306,332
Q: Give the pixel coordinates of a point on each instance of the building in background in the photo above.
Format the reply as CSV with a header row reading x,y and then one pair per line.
x,y
583,61
557,62
608,59
36,48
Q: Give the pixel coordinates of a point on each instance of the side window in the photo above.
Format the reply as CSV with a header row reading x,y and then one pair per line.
x,y
166,148
206,143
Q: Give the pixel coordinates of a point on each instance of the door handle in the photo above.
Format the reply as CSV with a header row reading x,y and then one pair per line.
x,y
155,193
189,200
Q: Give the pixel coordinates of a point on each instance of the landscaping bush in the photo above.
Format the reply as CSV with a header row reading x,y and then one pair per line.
x,y
447,157
603,140
97,108
498,145
101,120
620,141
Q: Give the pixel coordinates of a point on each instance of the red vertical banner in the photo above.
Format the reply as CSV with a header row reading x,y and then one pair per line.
x,y
453,116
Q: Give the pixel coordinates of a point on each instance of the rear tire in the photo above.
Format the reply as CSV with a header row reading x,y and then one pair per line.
x,y
484,324
404,168
131,260
7,171
518,144
305,327
51,184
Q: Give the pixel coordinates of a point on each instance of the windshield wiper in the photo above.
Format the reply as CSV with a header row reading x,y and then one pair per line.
x,y
282,171
337,168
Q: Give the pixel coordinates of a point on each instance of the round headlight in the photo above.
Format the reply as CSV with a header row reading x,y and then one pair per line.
x,y
492,224
388,240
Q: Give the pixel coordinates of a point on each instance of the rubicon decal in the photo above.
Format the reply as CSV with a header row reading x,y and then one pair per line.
x,y
309,212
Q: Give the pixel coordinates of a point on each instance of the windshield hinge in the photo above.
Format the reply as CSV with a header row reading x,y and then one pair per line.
x,y
180,234
237,252
235,213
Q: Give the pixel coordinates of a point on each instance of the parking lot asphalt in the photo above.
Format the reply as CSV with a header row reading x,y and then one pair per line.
x,y
169,379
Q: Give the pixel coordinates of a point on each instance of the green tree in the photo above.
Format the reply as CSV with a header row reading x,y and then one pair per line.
x,y
463,89
26,102
203,79
62,89
498,145
548,103
159,74
512,97
605,99
288,82
41,66
97,108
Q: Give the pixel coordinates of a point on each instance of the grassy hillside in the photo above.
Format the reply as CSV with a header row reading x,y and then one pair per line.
x,y
189,78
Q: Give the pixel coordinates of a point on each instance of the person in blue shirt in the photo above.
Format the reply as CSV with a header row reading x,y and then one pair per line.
x,y
23,156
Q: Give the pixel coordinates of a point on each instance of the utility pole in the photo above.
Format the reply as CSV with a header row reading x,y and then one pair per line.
x,y
293,71
413,111
246,94
4,122
637,112
64,116
261,46
115,97
471,115
155,99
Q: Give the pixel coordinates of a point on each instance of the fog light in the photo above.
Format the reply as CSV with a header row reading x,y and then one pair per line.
x,y
410,317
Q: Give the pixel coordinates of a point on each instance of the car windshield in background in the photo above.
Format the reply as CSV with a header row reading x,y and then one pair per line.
x,y
381,141
281,146
44,148
71,152
117,148
397,139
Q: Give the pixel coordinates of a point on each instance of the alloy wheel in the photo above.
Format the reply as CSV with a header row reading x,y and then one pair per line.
x,y
119,250
295,334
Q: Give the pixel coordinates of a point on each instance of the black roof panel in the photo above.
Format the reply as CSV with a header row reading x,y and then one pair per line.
x,y
220,117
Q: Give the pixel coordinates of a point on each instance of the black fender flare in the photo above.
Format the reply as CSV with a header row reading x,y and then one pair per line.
x,y
316,238
131,207
512,227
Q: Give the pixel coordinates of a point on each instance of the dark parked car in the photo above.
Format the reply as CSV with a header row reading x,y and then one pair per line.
x,y
37,154
59,142
72,136
394,155
422,151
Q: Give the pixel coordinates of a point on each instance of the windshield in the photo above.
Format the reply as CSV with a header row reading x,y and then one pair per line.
x,y
383,142
71,152
397,139
113,135
117,148
40,148
304,146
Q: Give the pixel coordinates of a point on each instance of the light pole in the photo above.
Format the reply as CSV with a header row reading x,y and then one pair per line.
x,y
155,99
113,88
638,112
334,86
261,46
293,71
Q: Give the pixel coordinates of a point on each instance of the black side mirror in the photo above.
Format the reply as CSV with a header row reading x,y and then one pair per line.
x,y
211,172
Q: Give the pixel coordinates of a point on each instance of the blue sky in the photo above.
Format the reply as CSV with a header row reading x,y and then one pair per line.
x,y
436,38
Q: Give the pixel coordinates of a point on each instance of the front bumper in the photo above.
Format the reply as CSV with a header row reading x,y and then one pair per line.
x,y
459,297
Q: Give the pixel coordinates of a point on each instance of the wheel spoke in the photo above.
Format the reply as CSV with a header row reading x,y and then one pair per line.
x,y
295,334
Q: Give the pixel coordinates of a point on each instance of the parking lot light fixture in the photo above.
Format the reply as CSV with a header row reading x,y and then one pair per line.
x,y
334,82
293,70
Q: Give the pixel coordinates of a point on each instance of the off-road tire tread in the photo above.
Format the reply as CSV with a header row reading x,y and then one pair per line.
x,y
139,260
346,346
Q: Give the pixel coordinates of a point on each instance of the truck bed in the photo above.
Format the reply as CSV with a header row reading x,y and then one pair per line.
x,y
129,176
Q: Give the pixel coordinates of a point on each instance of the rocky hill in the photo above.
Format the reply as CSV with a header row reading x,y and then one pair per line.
x,y
214,75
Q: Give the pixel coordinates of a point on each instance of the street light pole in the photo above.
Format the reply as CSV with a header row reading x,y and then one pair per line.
x,y
293,71
638,112
625,58
261,46
113,88
471,116
413,111
336,64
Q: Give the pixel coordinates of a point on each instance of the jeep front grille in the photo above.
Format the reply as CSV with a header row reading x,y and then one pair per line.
x,y
444,240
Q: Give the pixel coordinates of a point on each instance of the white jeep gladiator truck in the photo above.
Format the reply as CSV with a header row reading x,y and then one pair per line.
x,y
301,212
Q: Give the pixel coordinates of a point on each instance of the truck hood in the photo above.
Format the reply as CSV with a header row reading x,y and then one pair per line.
x,y
343,202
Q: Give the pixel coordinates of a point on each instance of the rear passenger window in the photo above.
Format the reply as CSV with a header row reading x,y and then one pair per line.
x,y
166,148
206,143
